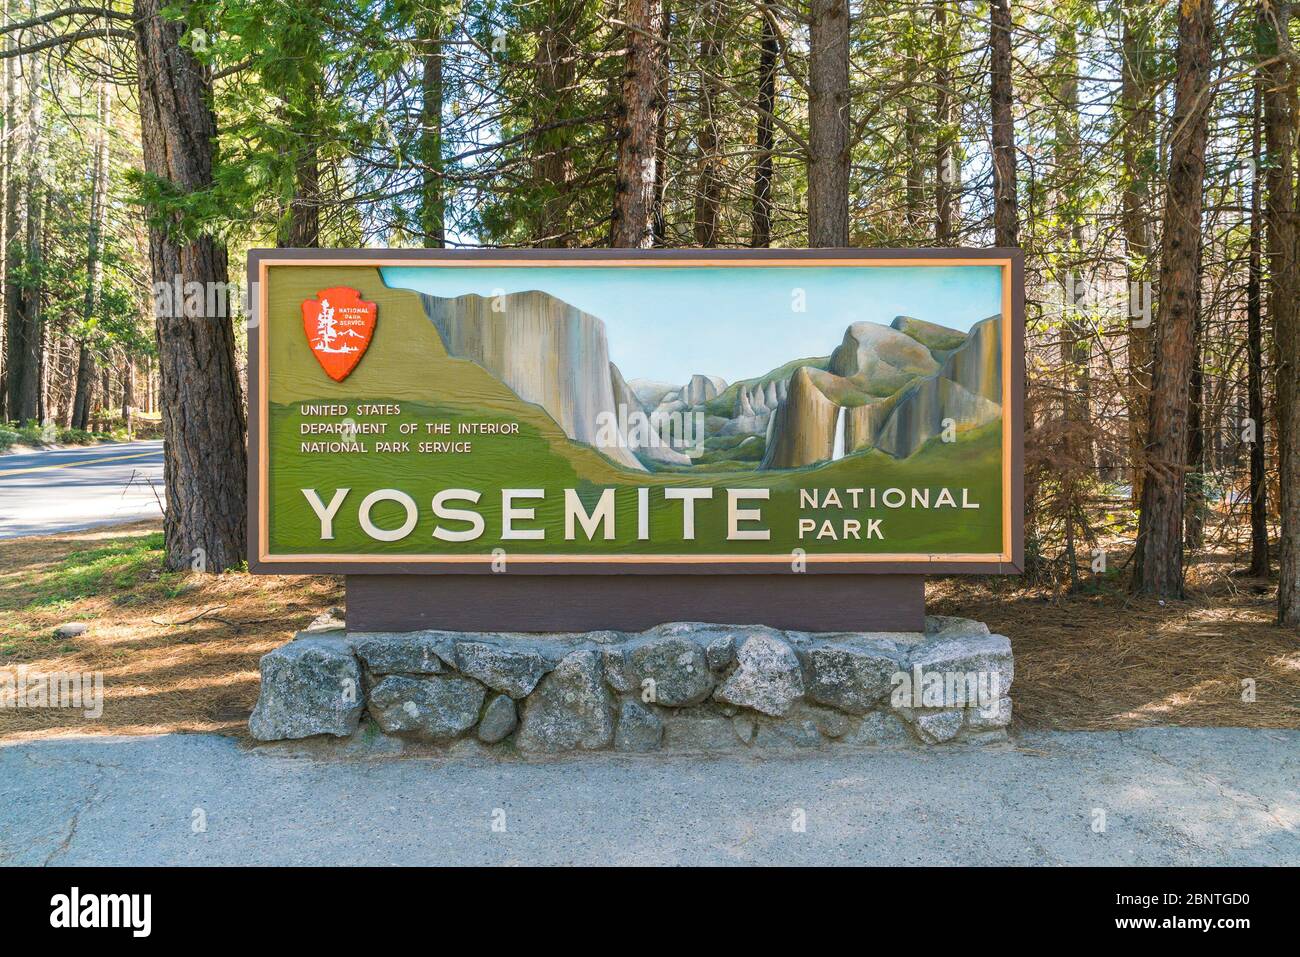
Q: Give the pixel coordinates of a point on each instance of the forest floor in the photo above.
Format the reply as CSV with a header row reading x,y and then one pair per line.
x,y
179,651
165,668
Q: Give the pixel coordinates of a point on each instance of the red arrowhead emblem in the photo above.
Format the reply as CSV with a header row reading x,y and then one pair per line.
x,y
339,324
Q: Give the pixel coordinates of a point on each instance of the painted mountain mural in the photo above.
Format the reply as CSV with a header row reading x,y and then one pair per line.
x,y
888,388
885,388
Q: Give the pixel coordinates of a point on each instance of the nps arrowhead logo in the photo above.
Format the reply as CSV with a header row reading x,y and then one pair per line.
x,y
339,324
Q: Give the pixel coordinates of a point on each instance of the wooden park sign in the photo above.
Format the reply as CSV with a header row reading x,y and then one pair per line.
x,y
616,438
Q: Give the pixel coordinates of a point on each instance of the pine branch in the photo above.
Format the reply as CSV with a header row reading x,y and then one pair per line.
x,y
65,12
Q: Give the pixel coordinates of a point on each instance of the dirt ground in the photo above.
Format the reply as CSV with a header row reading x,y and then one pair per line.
x,y
1112,661
165,667
179,651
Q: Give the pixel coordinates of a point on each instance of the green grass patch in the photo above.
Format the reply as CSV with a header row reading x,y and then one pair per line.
x,y
119,566
32,433
749,449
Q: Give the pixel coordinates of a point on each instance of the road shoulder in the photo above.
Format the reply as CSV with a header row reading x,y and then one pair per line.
x,y
1164,796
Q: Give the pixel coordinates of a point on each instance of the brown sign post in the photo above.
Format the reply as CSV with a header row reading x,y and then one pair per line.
x,y
564,440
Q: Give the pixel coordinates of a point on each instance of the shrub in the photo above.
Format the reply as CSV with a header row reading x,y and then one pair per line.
x,y
31,433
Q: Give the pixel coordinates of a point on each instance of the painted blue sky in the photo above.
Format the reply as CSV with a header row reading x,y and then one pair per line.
x,y
668,323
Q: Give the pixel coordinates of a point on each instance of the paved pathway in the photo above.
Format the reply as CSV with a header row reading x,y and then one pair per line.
x,y
1169,796
76,487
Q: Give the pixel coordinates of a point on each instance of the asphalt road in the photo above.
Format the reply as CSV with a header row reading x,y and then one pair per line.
x,y
76,487
1166,796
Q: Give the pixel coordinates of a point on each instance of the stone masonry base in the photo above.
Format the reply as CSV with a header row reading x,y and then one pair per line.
x,y
680,687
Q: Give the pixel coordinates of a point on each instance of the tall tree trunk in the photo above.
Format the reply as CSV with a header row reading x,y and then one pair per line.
x,y
1159,562
1006,218
94,258
642,112
8,210
300,112
30,333
203,421
760,233
1283,232
556,73
659,217
1006,222
83,391
1075,343
62,360
828,124
708,187
433,225
1138,149
914,201
128,389
301,229
1255,350
304,230
43,336
1194,495
947,176
304,210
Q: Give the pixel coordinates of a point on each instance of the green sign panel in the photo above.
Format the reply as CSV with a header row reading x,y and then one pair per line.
x,y
441,411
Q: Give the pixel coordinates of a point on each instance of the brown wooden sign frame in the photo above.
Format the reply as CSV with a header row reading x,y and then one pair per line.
x,y
1010,561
